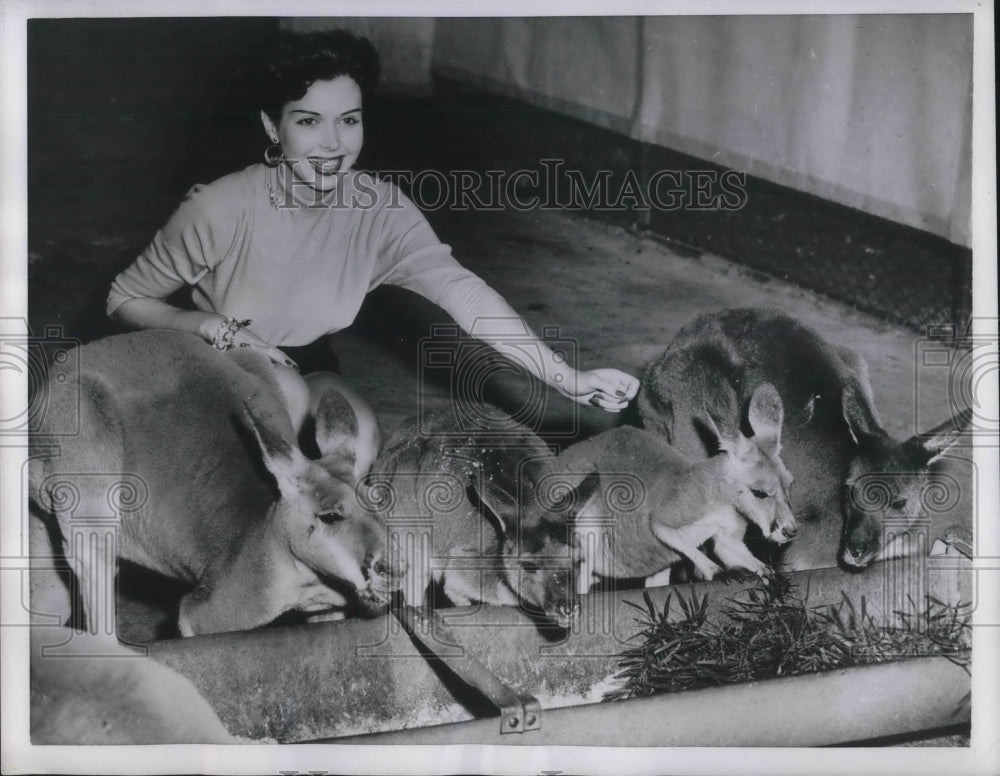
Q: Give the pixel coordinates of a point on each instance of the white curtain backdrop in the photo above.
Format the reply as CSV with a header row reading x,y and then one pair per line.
x,y
588,67
872,111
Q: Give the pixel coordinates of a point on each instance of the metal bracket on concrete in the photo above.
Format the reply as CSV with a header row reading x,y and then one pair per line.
x,y
518,713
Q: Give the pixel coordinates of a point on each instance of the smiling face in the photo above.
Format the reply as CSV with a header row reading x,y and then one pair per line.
x,y
320,134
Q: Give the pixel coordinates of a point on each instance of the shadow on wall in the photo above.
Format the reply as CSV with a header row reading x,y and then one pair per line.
x,y
124,115
141,104
404,46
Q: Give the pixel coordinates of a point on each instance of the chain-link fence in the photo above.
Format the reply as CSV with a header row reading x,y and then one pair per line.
x,y
894,272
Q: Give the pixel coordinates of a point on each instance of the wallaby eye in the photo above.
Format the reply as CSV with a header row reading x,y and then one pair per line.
x,y
330,517
760,493
531,568
898,503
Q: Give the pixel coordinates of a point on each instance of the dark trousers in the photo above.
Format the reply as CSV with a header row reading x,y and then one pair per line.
x,y
317,356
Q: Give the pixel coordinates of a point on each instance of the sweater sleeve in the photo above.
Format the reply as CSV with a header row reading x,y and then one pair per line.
x,y
196,238
410,255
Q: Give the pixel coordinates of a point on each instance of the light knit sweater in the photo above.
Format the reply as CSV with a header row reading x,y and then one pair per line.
x,y
253,246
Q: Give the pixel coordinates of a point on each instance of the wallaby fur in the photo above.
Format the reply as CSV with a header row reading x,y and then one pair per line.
x,y
93,692
222,496
496,537
668,505
833,438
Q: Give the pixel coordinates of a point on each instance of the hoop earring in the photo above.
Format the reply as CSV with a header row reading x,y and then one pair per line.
x,y
273,155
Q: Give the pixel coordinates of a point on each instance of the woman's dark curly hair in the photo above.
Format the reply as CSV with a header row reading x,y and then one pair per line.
x,y
299,59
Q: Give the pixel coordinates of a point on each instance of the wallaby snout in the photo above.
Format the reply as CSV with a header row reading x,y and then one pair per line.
x,y
770,510
862,543
385,572
552,592
784,527
567,614
784,532
390,569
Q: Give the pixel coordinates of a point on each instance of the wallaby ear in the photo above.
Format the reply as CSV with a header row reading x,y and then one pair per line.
x,y
807,412
494,502
858,413
938,440
718,424
708,431
766,414
665,419
856,363
283,459
336,427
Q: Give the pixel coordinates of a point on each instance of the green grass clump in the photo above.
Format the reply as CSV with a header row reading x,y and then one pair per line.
x,y
771,632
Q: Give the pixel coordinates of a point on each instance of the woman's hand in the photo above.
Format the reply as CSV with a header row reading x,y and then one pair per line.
x,y
496,323
243,337
608,389
247,339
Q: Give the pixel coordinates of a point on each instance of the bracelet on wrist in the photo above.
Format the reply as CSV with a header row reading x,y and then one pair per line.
x,y
225,335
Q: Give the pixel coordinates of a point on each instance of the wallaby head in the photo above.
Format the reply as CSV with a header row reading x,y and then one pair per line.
x,y
327,529
887,480
834,441
753,477
540,562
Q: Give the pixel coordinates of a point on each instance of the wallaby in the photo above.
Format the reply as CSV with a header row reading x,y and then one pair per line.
x,y
497,536
684,502
834,442
107,694
192,450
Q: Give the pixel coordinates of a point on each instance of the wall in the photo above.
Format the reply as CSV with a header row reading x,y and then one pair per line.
x,y
873,112
404,46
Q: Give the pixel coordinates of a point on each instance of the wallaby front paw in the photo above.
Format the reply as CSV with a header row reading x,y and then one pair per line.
x,y
330,616
708,571
184,626
735,574
766,573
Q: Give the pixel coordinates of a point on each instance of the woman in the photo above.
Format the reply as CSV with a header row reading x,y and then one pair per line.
x,y
283,253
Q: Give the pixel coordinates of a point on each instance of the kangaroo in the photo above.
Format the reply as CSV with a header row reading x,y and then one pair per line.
x,y
194,449
497,537
834,441
685,502
116,697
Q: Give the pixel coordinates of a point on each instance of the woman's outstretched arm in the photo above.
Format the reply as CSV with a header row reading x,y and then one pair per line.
x,y
488,317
